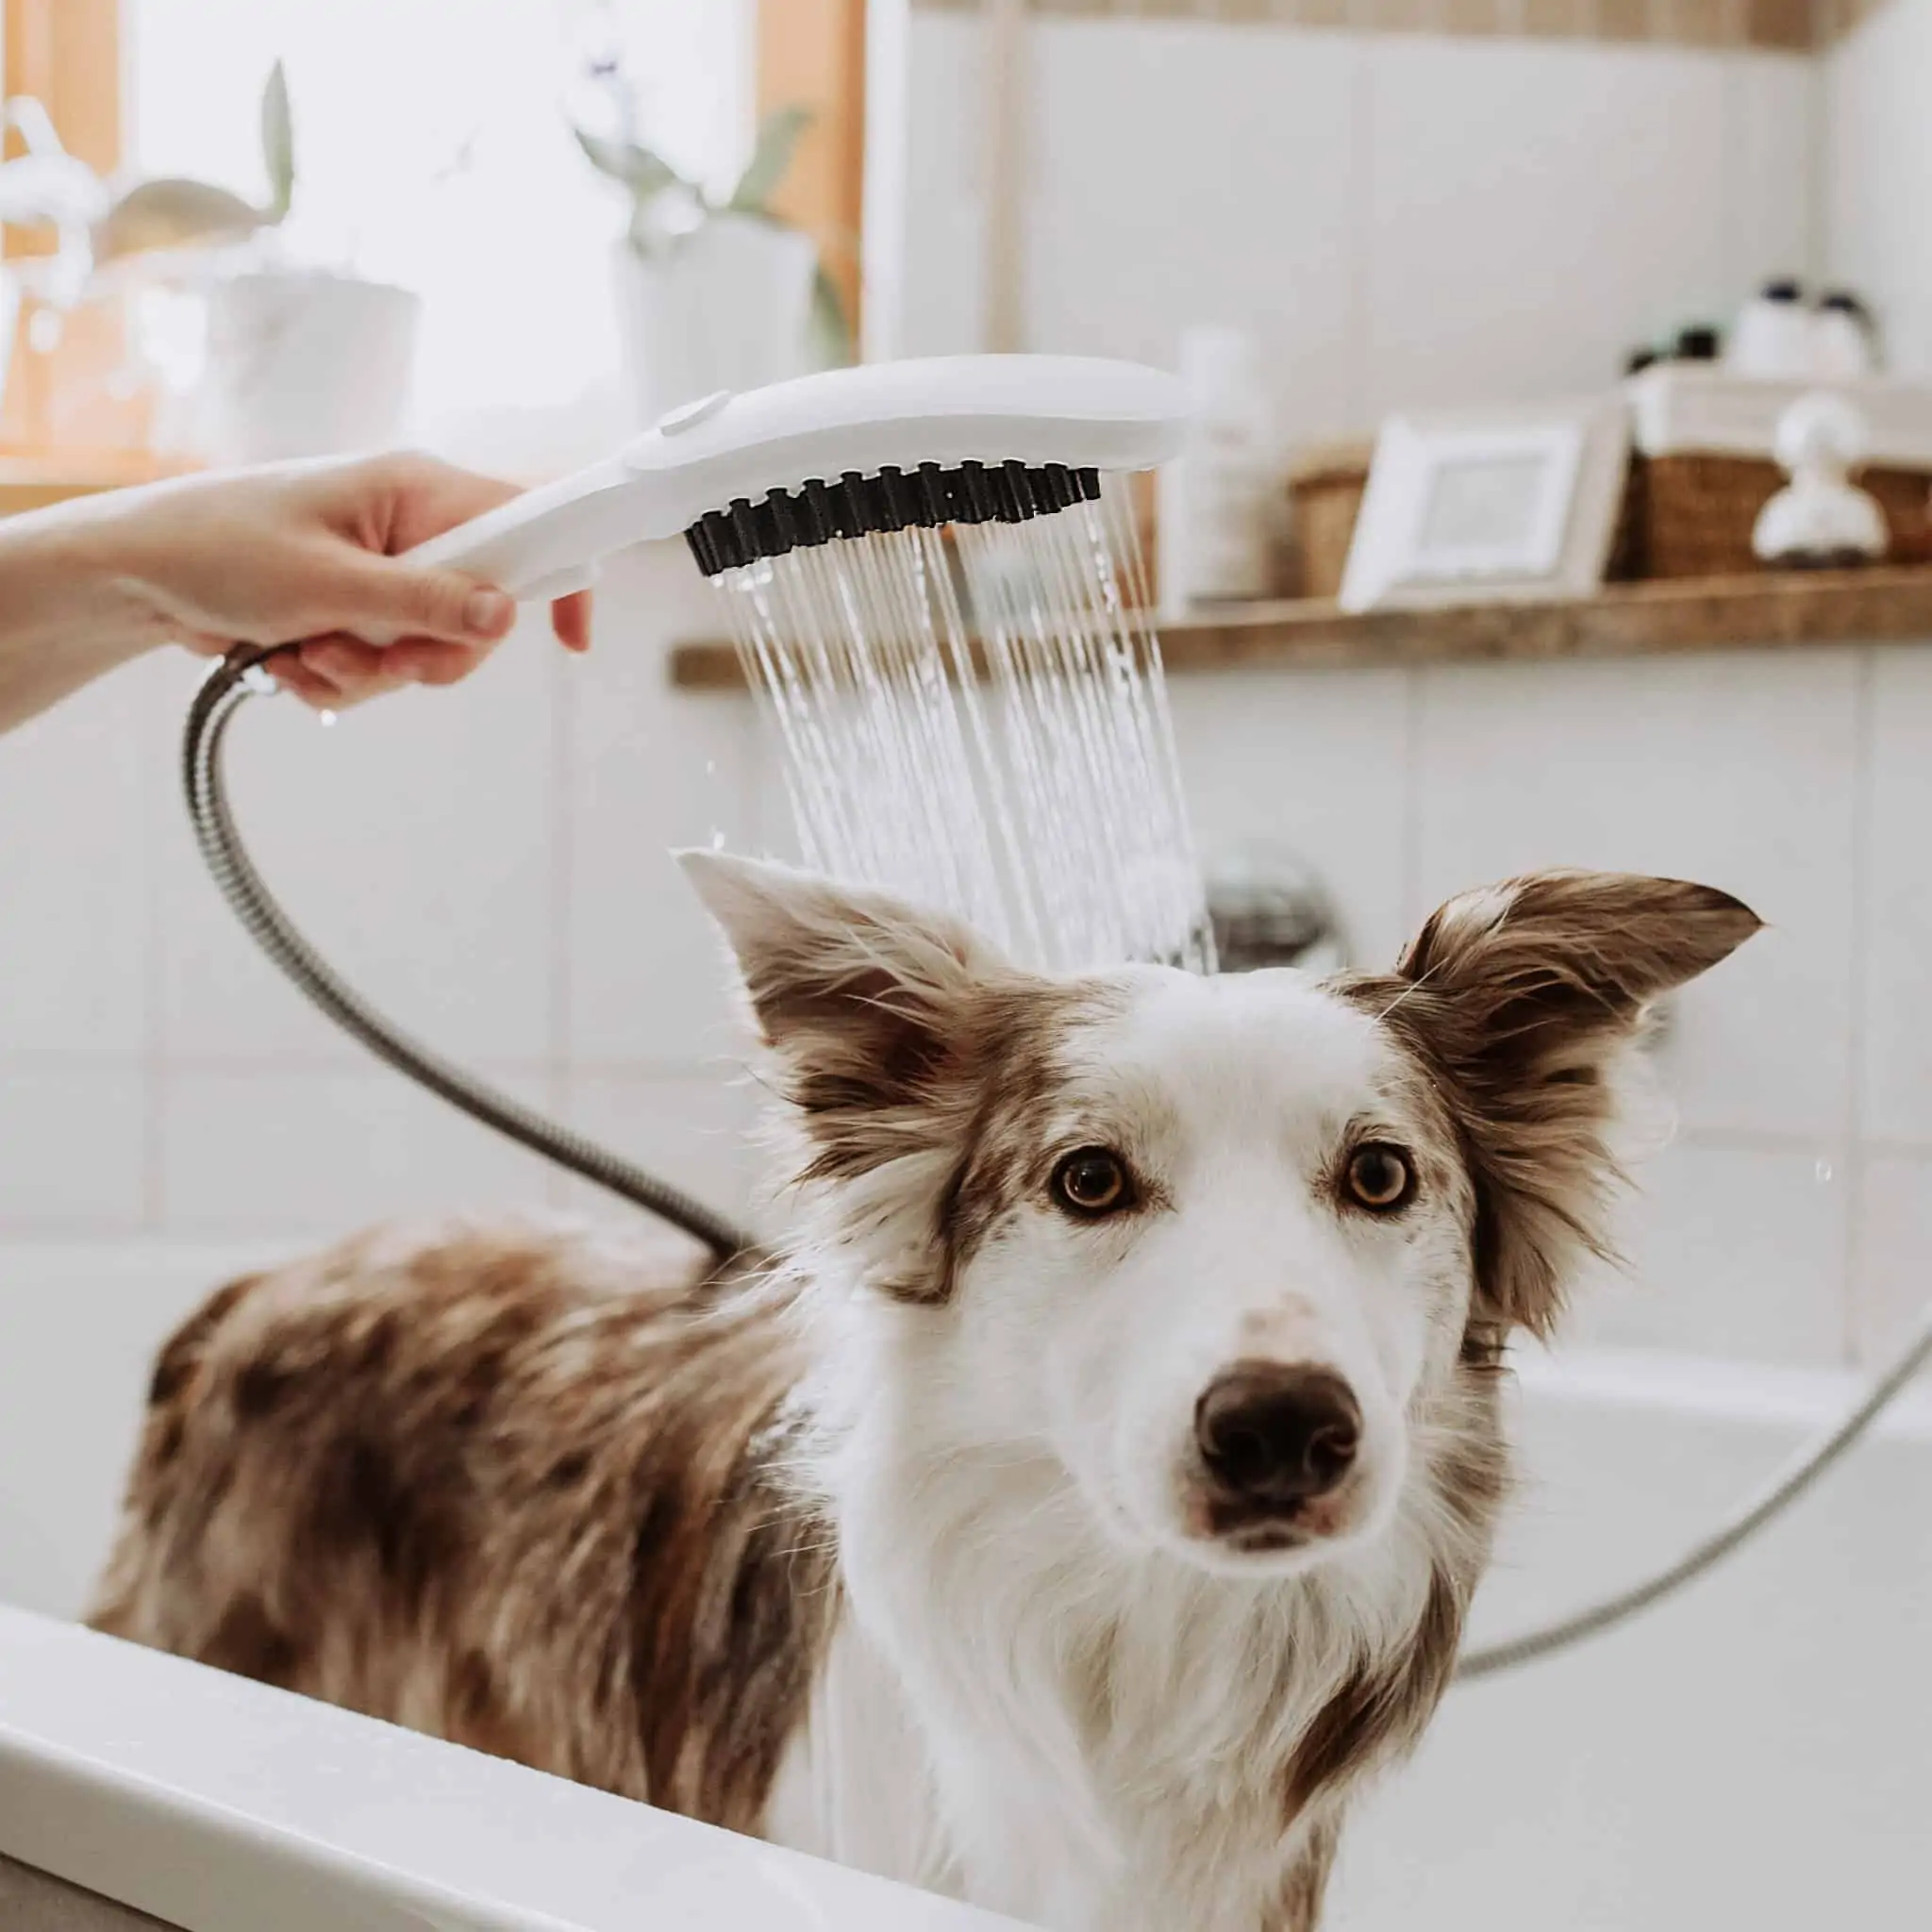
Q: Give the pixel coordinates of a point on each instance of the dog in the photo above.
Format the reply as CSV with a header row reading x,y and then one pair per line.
x,y
1078,1508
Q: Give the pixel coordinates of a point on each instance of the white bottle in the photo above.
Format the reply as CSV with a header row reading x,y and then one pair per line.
x,y
1842,349
1215,500
1771,338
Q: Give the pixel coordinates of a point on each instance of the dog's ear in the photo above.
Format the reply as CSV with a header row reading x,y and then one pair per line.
x,y
860,996
1521,997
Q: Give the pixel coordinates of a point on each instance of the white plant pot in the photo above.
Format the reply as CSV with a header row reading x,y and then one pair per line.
x,y
304,364
728,306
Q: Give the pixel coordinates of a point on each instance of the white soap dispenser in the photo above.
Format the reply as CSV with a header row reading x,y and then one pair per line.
x,y
1213,525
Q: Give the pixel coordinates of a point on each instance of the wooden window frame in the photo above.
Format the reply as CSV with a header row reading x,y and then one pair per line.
x,y
69,55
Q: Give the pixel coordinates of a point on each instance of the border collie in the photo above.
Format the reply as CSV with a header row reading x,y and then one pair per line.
x,y
1075,1510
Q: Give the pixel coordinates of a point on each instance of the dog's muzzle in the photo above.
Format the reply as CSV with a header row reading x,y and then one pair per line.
x,y
1274,1437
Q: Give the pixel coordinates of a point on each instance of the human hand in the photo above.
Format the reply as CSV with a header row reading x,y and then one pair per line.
x,y
312,551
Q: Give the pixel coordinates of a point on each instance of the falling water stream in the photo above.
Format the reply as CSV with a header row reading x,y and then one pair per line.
x,y
1042,804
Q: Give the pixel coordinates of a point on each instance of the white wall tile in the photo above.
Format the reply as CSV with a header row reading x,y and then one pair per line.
x,y
1185,172
1893,1283
1774,155
73,875
942,286
1736,771
1317,762
73,1142
1879,173
1536,209
1897,940
647,770
410,841
83,1322
694,1132
1730,1251
268,1149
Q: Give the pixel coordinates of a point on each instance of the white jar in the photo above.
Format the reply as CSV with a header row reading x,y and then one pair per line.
x,y
1214,500
1841,345
1772,336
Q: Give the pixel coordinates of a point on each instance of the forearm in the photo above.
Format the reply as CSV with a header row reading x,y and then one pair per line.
x,y
67,611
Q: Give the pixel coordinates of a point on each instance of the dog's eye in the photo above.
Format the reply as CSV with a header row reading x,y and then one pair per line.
x,y
1092,1181
1380,1177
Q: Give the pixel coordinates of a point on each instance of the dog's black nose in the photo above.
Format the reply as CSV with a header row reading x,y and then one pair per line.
x,y
1273,1435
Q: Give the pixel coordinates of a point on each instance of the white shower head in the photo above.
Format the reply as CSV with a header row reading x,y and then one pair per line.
x,y
957,438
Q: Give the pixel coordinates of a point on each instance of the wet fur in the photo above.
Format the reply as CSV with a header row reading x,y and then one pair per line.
x,y
766,1547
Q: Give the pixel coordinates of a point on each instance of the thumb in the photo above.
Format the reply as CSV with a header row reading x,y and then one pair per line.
x,y
402,599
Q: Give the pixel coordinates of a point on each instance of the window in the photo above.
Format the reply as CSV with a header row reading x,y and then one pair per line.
x,y
433,149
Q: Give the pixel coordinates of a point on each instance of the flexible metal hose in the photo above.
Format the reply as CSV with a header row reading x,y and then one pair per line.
x,y
224,692
1804,1467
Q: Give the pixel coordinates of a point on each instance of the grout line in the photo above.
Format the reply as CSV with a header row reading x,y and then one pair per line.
x,y
155,772
560,780
1362,203
1414,699
1859,940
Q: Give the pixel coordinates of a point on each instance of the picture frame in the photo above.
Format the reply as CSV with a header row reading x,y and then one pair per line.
x,y
1503,504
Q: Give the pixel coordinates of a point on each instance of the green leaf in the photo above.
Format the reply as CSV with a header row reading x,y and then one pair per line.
x,y
278,143
771,159
643,173
831,331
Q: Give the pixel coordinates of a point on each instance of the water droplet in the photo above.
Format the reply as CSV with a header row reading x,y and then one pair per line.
x,y
1823,1170
327,718
710,768
717,842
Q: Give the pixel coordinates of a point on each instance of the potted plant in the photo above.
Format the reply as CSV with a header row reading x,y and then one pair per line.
x,y
300,360
713,293
285,360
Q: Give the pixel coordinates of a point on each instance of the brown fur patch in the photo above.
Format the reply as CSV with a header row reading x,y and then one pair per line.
x,y
1515,1001
497,1486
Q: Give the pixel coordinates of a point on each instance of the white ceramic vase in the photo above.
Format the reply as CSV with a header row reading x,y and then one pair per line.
x,y
727,306
303,364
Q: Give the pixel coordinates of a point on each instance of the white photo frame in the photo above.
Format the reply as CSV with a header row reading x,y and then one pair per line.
x,y
1501,505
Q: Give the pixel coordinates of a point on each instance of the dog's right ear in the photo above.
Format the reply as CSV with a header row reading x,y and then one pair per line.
x,y
861,996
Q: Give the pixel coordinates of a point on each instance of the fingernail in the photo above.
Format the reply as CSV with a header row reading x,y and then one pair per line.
x,y
488,611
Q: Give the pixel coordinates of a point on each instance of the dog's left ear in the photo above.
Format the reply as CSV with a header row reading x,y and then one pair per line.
x,y
861,998
1521,997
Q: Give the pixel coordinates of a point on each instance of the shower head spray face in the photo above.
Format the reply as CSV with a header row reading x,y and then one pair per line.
x,y
952,437
883,539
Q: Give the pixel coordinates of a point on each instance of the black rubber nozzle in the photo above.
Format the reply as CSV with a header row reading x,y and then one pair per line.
x,y
821,512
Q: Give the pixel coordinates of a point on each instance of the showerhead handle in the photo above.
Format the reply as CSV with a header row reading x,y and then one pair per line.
x,y
1077,412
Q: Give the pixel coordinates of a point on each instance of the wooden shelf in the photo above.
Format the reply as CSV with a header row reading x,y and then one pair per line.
x,y
1763,611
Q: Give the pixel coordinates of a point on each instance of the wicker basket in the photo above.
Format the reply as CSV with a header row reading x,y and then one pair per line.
x,y
1692,516
1683,516
1324,488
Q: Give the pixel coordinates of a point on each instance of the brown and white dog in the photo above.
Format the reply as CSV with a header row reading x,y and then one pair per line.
x,y
1077,1511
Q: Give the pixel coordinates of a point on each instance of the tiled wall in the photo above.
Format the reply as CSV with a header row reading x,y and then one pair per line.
x,y
1407,221
1791,1218
491,864
1877,82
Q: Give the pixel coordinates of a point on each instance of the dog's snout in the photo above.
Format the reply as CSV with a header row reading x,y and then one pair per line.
x,y
1274,1435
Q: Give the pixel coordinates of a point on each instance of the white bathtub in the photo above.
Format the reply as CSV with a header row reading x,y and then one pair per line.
x,y
1757,1755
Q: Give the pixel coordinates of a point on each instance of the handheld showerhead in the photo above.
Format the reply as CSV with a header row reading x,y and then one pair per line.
x,y
880,536
886,446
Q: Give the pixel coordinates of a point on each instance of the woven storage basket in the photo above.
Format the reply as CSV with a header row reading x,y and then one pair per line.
x,y
1683,515
1324,488
1692,516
